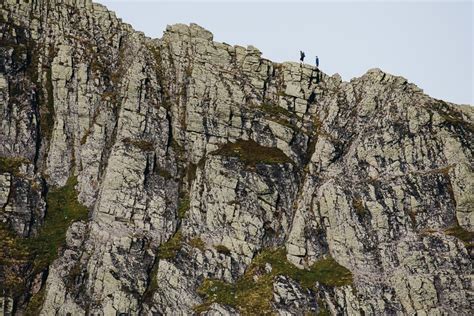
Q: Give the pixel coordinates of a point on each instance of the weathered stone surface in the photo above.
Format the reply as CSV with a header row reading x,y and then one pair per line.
x,y
291,299
376,174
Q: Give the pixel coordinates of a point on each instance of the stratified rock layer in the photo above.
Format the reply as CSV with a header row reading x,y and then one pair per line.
x,y
194,156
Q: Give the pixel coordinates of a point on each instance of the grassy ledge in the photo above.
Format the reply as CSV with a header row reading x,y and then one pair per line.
x,y
63,209
253,293
11,164
275,110
251,153
198,243
279,115
169,249
460,233
153,284
35,303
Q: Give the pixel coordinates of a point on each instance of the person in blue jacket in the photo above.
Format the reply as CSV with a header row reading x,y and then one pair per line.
x,y
317,62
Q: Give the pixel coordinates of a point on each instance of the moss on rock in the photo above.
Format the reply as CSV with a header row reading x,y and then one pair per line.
x,y
252,293
24,257
183,205
169,249
11,164
251,153
63,209
462,234
198,243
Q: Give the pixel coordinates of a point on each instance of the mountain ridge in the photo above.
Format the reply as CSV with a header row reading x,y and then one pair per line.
x,y
197,177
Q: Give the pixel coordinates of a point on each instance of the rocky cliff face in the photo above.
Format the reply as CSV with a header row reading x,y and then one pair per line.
x,y
181,175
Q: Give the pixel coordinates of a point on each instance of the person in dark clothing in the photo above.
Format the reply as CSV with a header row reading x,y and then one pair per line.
x,y
302,56
317,62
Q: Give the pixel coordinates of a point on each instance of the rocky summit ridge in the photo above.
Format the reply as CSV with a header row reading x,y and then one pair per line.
x,y
180,175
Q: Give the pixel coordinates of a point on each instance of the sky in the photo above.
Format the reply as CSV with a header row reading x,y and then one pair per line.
x,y
428,42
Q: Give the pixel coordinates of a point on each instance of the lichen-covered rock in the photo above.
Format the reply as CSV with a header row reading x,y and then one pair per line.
x,y
291,299
194,158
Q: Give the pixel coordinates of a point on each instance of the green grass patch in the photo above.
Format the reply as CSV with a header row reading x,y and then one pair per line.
x,y
251,153
252,294
169,249
35,304
275,110
153,284
63,209
216,291
198,243
11,164
184,204
14,254
40,251
459,232
326,271
279,115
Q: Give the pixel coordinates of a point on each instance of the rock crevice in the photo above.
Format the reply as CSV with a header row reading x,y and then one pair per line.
x,y
219,182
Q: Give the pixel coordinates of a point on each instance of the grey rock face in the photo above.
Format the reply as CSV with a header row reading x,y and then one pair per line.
x,y
193,156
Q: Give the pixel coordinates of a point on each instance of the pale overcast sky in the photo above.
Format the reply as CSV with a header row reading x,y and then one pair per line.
x,y
430,43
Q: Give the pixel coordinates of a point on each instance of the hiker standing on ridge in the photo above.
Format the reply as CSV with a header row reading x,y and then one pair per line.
x,y
302,56
317,62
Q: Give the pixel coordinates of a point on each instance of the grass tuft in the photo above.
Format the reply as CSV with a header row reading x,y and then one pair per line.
x,y
279,115
462,234
40,251
275,110
11,164
63,209
183,205
198,243
252,294
251,153
153,283
169,249
35,304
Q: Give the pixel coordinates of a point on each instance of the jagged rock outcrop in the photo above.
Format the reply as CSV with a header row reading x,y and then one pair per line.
x,y
180,175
